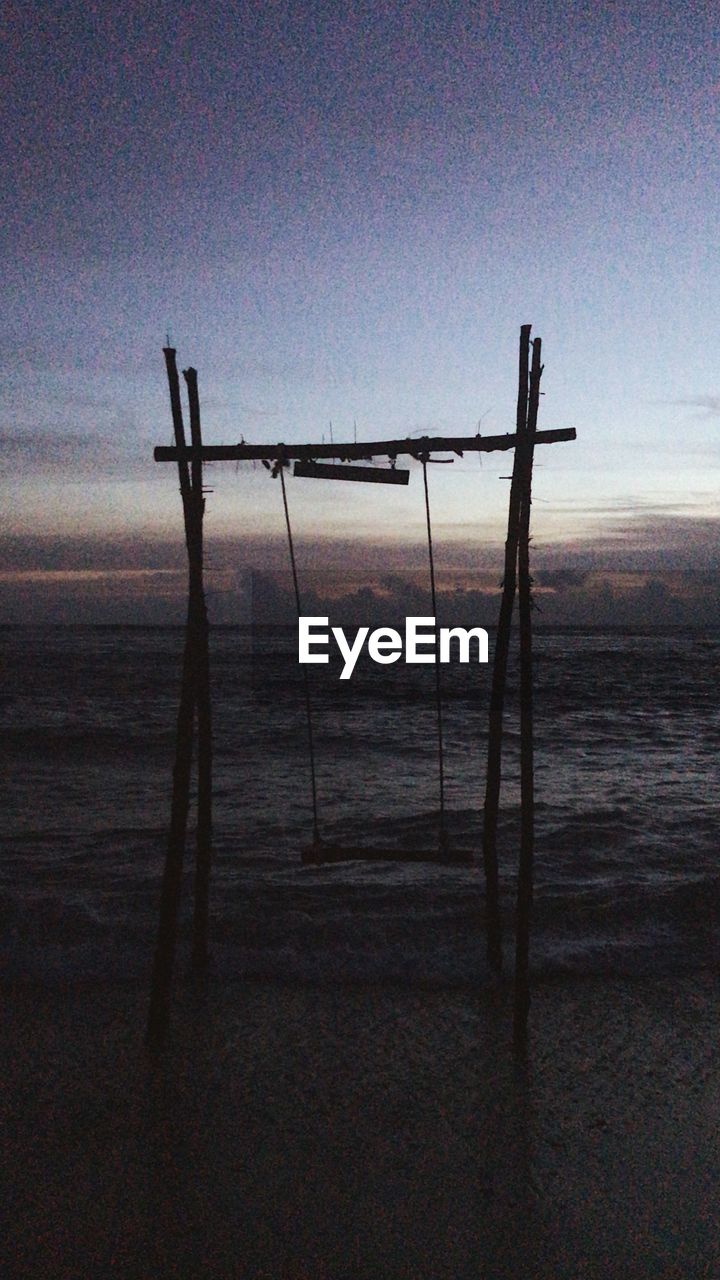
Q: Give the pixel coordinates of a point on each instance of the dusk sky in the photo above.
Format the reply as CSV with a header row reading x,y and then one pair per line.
x,y
343,213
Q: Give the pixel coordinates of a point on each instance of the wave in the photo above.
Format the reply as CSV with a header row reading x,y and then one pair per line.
x,y
627,814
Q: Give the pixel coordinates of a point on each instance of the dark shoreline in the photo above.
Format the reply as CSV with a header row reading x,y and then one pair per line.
x,y
352,1133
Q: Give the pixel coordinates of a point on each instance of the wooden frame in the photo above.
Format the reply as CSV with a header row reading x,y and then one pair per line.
x,y
195,688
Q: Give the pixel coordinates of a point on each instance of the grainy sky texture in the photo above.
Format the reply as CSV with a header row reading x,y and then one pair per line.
x,y
343,212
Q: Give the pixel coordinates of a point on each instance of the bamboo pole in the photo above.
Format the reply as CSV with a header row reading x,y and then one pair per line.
x,y
203,855
497,693
527,782
159,1011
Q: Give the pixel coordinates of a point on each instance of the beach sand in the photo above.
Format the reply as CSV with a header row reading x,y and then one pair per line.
x,y
338,1132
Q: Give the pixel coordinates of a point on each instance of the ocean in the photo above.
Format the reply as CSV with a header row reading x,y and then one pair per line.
x,y
627,818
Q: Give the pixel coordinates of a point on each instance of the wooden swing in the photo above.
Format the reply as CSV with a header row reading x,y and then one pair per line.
x,y
322,851
195,690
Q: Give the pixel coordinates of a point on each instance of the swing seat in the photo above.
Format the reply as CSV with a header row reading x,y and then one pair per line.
x,y
321,852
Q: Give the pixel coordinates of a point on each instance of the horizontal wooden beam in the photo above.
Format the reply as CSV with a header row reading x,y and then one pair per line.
x,y
347,452
345,471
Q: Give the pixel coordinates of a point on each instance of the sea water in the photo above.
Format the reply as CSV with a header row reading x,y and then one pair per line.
x,y
627,773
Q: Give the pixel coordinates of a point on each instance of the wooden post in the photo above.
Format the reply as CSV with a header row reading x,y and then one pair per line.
x,y
527,796
158,1015
497,693
203,856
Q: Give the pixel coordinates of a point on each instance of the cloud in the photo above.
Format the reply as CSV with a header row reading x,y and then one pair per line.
x,y
239,411
707,406
636,599
41,451
660,540
563,579
26,553
592,578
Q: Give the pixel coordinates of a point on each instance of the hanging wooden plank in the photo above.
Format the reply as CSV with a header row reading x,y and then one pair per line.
x,y
342,471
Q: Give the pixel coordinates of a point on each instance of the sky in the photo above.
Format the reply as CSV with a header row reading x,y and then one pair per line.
x,y
341,214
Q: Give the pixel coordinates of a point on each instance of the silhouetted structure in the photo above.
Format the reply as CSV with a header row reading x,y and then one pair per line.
x,y
195,689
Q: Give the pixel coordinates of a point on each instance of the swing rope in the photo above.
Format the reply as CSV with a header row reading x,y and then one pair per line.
x,y
280,470
438,692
